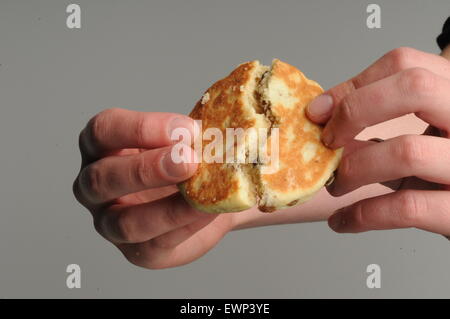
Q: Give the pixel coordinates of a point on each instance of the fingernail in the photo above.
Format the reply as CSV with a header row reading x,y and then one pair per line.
x,y
337,220
175,168
182,124
320,106
327,137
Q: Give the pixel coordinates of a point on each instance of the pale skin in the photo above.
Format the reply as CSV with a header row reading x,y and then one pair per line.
x,y
129,186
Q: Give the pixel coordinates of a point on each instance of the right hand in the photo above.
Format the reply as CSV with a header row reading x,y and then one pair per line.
x,y
403,82
128,184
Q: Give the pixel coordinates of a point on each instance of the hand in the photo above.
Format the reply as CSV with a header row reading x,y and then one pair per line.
x,y
417,167
127,181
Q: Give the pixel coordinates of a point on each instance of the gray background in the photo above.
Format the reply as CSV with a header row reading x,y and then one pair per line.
x,y
135,54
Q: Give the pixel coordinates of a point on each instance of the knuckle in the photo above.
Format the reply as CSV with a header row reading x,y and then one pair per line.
x,y
417,81
164,241
357,81
143,170
347,110
171,216
141,130
91,181
97,129
125,227
346,167
400,58
410,208
145,257
357,217
81,141
411,152
174,214
99,222
76,191
99,125
110,112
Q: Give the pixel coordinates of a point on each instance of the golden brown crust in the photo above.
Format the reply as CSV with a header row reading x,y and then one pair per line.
x,y
224,108
293,122
237,102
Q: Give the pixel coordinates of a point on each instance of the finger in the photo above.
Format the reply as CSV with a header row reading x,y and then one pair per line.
x,y
427,210
355,145
410,182
397,60
116,176
116,129
351,147
412,91
150,255
177,236
426,157
148,195
140,223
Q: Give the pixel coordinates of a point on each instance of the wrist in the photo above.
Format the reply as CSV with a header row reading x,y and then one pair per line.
x,y
242,219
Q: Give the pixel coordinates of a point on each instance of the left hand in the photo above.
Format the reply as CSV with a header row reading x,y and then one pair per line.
x,y
416,167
